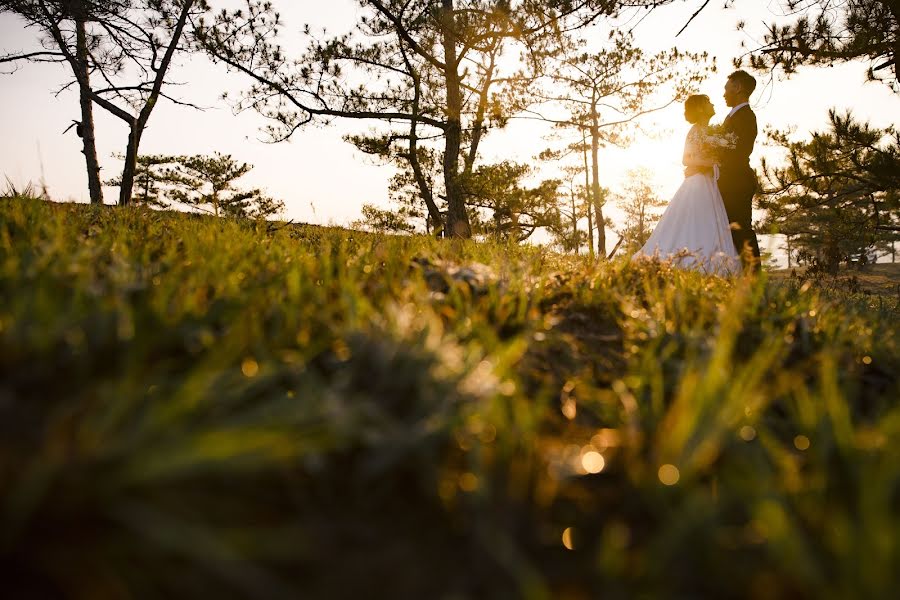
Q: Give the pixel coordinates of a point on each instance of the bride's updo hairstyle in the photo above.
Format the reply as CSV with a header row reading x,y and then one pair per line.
x,y
693,107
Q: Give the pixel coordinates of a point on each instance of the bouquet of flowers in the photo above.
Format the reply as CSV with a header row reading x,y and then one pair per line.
x,y
715,141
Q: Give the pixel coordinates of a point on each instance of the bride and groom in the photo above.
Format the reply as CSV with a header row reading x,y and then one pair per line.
x,y
707,225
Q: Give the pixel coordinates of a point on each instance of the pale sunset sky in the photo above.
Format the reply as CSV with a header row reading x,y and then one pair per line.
x,y
322,179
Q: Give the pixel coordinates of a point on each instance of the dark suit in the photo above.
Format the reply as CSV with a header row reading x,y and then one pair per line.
x,y
737,181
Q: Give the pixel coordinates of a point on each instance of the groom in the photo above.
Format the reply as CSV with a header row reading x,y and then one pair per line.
x,y
737,181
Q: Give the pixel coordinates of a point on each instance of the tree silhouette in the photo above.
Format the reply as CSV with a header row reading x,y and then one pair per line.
x,y
65,30
119,52
513,211
825,32
207,183
838,195
150,180
382,220
574,206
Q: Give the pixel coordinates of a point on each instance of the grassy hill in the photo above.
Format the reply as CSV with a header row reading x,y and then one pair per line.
x,y
878,279
192,407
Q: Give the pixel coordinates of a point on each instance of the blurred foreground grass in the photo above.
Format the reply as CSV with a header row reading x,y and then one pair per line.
x,y
192,407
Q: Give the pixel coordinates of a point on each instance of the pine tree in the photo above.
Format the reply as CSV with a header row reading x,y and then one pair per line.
x,y
207,183
150,180
826,32
119,53
837,196
381,220
640,203
504,207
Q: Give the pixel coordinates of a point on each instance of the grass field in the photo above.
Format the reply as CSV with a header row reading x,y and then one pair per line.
x,y
878,280
192,407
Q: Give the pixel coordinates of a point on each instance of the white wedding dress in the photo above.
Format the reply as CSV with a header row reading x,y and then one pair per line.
x,y
693,232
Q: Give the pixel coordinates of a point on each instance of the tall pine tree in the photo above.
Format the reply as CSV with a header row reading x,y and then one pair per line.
x,y
836,196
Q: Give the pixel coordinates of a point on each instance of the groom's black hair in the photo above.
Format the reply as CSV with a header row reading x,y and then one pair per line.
x,y
745,80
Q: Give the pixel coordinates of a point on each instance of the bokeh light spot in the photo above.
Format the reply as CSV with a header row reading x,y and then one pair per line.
x,y
593,462
669,475
605,438
801,442
249,367
567,539
468,482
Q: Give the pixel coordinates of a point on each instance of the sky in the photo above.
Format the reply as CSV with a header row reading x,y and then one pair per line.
x,y
323,179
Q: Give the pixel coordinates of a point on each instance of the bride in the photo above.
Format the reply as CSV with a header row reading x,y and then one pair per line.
x,y
694,232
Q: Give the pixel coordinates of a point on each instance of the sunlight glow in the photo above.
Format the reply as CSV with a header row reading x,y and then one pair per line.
x,y
661,155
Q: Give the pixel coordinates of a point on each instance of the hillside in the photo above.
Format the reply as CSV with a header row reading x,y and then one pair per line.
x,y
880,279
194,407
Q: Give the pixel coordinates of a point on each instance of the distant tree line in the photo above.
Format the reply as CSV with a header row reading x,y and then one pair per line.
x,y
431,79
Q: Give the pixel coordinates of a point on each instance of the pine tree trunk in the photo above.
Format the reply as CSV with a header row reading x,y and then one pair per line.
x,y
127,186
641,226
587,193
139,123
595,184
575,243
590,224
147,187
86,128
457,218
434,213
